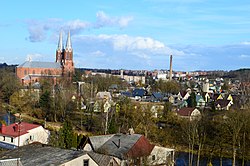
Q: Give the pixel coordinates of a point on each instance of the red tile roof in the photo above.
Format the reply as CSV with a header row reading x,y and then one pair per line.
x,y
185,111
13,129
141,148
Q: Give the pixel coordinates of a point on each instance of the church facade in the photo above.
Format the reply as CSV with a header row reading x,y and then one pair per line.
x,y
33,71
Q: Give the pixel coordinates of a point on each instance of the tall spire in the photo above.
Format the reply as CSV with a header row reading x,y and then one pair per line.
x,y
68,44
60,42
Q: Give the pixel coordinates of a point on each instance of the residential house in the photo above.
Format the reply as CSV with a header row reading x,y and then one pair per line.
x,y
223,104
126,94
200,101
155,109
190,113
207,96
171,99
160,155
43,155
137,93
157,96
183,95
180,104
127,149
103,96
217,96
19,134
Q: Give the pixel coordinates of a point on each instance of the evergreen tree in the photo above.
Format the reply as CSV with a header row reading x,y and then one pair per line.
x,y
66,135
192,100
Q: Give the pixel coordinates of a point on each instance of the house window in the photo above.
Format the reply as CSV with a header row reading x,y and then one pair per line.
x,y
86,162
153,158
12,139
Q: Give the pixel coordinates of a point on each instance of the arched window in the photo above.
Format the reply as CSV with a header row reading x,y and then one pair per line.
x,y
25,72
33,72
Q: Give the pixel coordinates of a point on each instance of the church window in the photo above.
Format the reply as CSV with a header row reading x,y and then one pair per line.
x,y
33,71
25,72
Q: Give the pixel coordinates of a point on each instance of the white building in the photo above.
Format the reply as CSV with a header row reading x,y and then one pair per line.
x,y
161,156
19,134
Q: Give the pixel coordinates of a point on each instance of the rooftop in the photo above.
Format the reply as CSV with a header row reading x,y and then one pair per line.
x,y
17,129
42,155
37,64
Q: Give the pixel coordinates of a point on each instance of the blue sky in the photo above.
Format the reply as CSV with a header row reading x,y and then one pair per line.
x,y
140,34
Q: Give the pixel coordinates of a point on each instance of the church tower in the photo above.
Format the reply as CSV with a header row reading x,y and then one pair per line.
x,y
64,56
68,64
59,50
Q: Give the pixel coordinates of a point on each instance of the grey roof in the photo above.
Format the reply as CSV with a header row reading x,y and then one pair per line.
x,y
100,159
42,155
36,64
118,145
98,141
10,162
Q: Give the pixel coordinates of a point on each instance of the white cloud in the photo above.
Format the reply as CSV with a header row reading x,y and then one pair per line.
x,y
75,25
124,21
246,43
39,29
244,56
104,20
125,43
123,51
97,53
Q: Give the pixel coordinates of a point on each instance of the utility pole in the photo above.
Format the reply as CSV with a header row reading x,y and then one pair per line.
x,y
80,99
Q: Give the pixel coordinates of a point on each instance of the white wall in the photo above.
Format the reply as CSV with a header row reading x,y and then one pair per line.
x,y
162,156
79,161
87,147
38,134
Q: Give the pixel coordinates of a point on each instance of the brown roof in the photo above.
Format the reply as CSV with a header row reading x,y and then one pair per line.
x,y
183,93
141,148
223,103
185,111
215,96
122,146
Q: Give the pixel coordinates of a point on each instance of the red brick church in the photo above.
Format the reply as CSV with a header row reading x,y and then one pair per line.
x,y
32,71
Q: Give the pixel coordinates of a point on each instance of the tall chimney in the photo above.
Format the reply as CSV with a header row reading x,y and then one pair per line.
x,y
170,70
121,73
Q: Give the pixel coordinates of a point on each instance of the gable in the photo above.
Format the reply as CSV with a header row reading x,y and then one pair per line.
x,y
140,149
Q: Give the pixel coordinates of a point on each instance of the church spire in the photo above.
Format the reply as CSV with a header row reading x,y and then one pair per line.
x,y
60,42
68,44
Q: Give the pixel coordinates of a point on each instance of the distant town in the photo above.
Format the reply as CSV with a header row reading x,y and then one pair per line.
x,y
55,114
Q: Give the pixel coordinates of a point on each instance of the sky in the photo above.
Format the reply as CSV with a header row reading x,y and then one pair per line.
x,y
129,34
